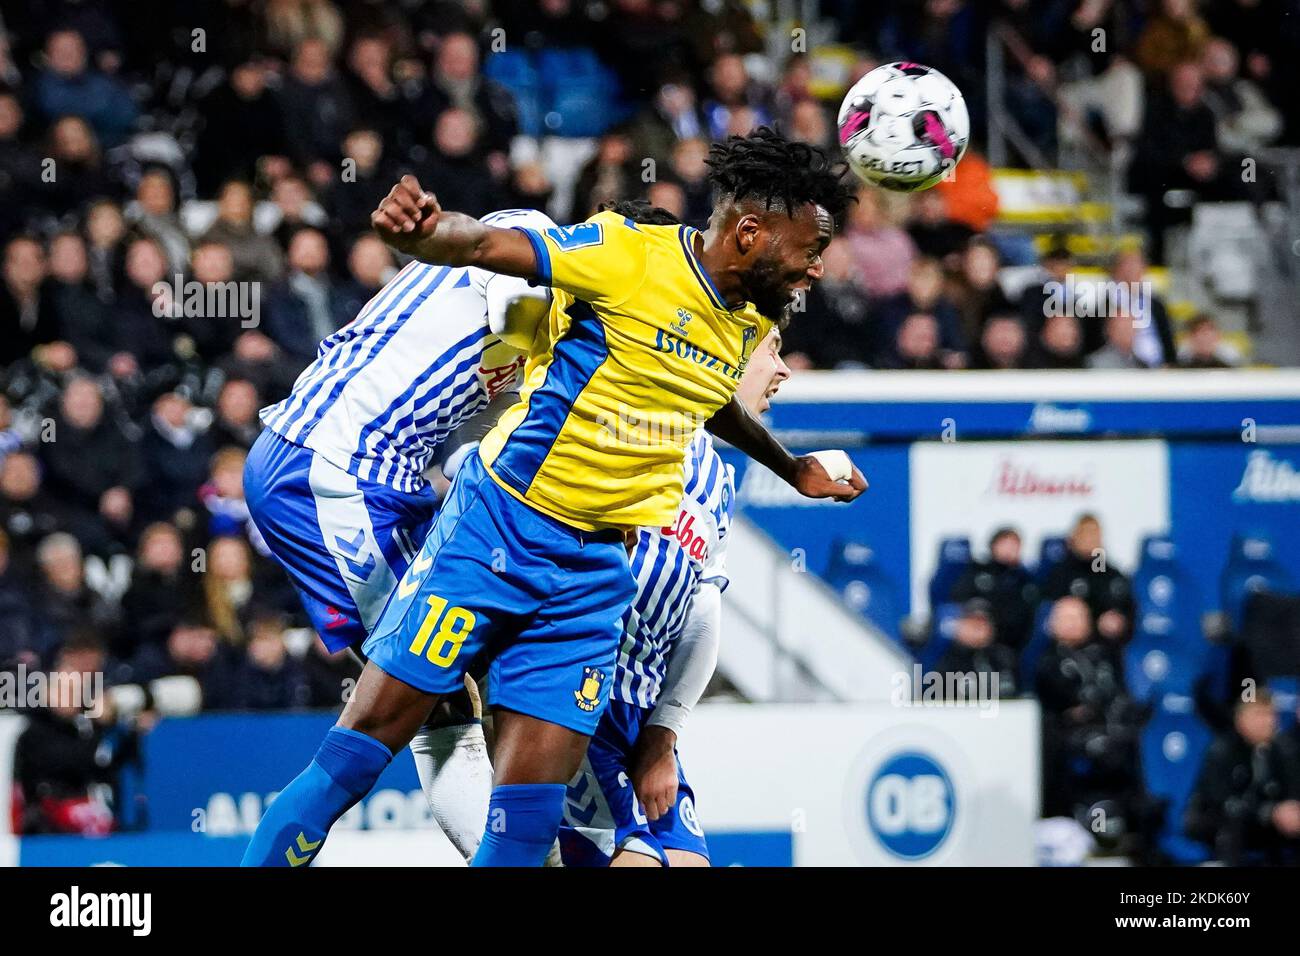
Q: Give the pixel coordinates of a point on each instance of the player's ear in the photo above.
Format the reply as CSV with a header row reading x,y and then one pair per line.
x,y
748,228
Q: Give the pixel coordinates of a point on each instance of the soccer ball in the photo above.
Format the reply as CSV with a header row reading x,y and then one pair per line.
x,y
903,126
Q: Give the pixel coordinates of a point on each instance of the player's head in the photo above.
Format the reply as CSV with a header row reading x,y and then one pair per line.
x,y
641,212
777,204
764,373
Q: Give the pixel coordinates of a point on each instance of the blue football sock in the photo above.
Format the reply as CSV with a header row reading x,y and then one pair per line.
x,y
295,826
522,822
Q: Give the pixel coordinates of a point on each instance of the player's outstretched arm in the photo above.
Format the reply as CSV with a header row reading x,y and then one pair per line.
x,y
411,221
738,426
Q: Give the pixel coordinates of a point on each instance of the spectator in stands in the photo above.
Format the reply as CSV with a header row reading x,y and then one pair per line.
x,y
672,116
355,195
975,290
1002,345
143,335
192,650
154,214
28,511
82,317
983,663
1006,584
106,250
1178,149
1060,344
255,257
258,359
69,758
1087,572
81,172
689,169
611,175
669,196
330,677
1205,347
375,93
883,252
214,326
834,328
1090,724
924,293
64,597
100,500
1153,341
69,87
1118,352
302,309
297,209
916,345
317,108
228,588
529,187
731,89
20,166
1245,120
242,126
222,496
1176,34
175,454
1102,90
1043,296
25,637
933,233
457,163
163,590
268,678
28,313
457,81
235,422
370,265
1246,804
291,22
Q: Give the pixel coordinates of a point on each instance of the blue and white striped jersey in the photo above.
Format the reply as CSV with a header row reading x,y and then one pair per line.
x,y
669,565
389,387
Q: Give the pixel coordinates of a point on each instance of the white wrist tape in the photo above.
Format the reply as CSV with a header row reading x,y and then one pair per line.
x,y
836,463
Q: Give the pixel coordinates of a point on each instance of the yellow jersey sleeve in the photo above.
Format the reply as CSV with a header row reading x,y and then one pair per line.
x,y
601,261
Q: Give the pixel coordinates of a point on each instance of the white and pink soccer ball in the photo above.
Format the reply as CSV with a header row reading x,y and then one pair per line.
x,y
903,126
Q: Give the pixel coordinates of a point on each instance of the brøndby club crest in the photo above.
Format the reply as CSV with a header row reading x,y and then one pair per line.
x,y
587,696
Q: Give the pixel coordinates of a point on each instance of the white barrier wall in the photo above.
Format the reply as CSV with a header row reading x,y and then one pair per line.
x,y
872,784
812,785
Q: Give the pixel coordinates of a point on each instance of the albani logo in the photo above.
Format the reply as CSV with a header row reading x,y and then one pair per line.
x,y
1015,480
684,532
1268,479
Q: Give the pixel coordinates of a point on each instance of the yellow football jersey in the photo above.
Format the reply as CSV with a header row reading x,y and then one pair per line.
x,y
641,351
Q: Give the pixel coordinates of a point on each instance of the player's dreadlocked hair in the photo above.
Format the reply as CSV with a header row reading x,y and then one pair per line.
x,y
640,211
780,173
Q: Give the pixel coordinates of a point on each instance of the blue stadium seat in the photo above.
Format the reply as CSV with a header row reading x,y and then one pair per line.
x,y
580,94
954,556
1251,567
1039,641
864,585
1173,746
945,617
1168,653
1051,553
1160,660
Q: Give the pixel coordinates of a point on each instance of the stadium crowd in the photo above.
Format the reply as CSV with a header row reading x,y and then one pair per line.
x,y
241,145
1061,634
